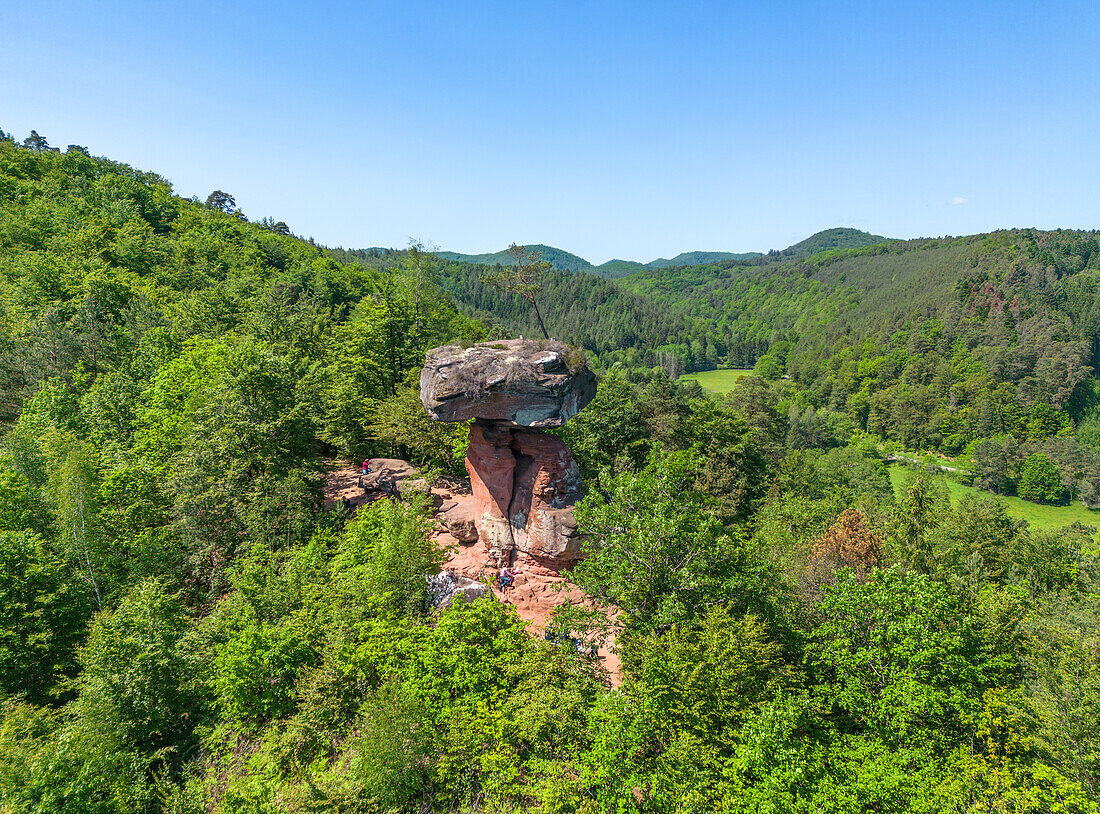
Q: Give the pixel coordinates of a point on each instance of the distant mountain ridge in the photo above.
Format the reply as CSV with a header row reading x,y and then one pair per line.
x,y
698,259
837,238
558,258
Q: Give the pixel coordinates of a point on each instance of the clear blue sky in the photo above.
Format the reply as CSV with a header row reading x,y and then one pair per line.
x,y
631,130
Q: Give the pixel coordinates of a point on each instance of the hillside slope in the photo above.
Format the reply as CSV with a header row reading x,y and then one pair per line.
x,y
838,238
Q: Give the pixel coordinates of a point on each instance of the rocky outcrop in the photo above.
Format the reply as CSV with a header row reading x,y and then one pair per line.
x,y
546,484
388,476
522,383
524,481
536,591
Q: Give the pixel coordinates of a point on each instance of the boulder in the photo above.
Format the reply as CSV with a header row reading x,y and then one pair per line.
x,y
457,517
376,484
447,587
397,468
387,476
519,382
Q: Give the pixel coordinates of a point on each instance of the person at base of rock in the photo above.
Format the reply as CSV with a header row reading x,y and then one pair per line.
x,y
507,577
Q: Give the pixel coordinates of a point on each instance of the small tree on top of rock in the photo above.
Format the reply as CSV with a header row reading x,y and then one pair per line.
x,y
522,277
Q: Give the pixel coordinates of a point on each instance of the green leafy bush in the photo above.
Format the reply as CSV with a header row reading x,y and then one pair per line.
x,y
1041,481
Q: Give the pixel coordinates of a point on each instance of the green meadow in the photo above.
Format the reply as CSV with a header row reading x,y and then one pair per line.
x,y
1036,514
717,381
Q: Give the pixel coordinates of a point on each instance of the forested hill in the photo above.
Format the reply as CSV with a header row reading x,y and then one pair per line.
x,y
173,373
564,261
102,268
698,258
593,312
838,238
732,312
1019,294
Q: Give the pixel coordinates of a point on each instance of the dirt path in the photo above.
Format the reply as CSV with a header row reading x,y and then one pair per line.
x,y
901,459
342,483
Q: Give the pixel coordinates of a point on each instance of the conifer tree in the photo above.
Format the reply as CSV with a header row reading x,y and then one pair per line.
x,y
522,277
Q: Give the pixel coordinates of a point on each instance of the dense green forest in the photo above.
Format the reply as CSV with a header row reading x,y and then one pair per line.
x,y
185,628
983,345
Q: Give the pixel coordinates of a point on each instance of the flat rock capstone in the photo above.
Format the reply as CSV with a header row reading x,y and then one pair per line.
x,y
520,382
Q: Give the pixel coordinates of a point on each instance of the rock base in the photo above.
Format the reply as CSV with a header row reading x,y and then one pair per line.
x,y
525,484
540,586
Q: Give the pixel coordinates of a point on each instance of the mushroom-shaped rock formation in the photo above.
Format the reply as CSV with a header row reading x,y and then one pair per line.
x,y
523,383
524,481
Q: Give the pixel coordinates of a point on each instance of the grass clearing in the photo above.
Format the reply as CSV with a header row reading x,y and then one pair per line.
x,y
1037,515
717,381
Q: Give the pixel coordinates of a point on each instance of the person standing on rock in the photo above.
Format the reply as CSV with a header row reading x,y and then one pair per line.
x,y
366,467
